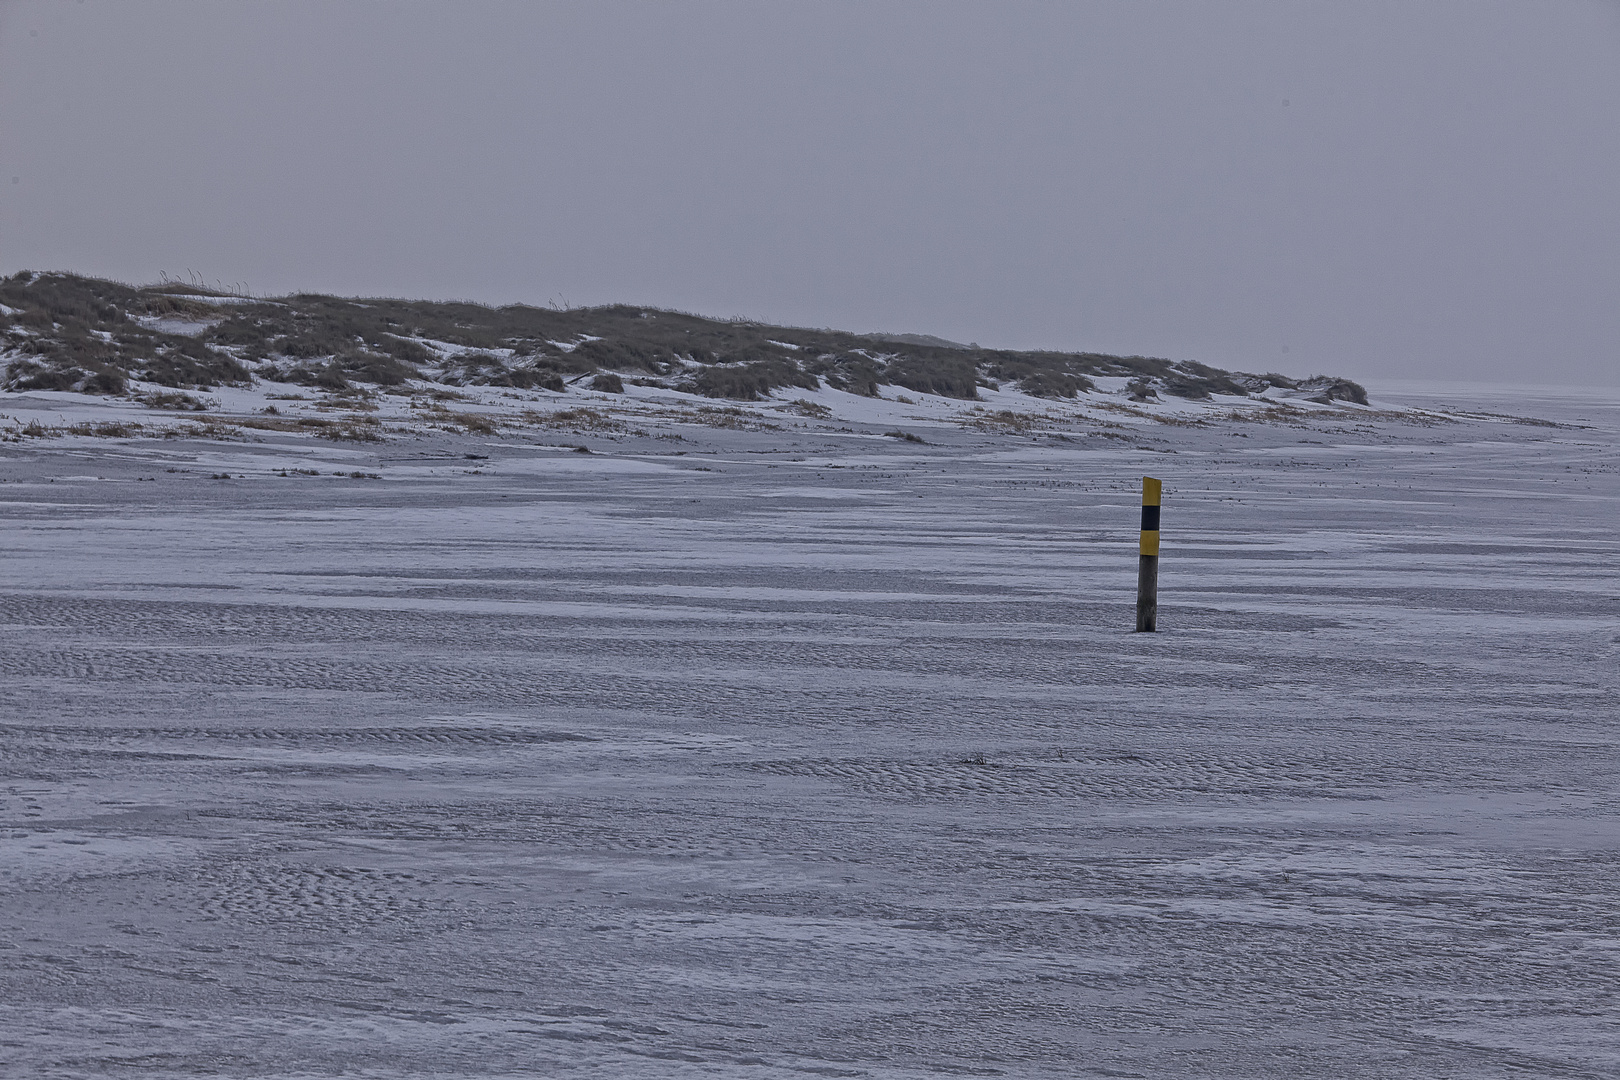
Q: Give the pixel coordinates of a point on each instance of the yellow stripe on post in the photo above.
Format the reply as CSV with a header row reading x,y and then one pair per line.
x,y
1150,542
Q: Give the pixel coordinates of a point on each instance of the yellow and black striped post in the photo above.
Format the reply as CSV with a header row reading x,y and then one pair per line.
x,y
1147,571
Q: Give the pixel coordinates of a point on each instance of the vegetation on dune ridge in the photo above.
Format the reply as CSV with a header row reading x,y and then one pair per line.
x,y
61,331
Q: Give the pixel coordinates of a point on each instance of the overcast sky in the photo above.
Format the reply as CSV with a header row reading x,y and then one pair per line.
x,y
1369,188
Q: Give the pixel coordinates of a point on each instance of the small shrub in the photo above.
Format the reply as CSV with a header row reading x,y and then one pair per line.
x,y
184,362
376,368
751,382
1198,381
1183,387
473,422
850,372
355,429
625,354
1053,384
537,379
732,419
474,368
354,399
484,369
575,419
207,429
1008,421
951,376
404,350
108,380
28,375
1331,390
814,410
171,400
608,383
106,430
327,376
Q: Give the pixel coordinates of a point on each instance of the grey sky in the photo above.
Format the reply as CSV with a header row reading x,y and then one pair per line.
x,y
1423,190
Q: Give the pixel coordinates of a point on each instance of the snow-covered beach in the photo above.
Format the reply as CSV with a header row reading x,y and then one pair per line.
x,y
765,740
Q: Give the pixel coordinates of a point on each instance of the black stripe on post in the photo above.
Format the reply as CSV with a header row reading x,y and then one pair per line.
x,y
1150,519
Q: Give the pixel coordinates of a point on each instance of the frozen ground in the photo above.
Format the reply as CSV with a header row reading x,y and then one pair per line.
x,y
760,745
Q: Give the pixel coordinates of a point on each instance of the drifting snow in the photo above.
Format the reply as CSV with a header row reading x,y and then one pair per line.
x,y
760,742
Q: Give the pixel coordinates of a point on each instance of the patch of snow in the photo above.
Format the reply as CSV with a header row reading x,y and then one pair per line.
x,y
218,301
183,327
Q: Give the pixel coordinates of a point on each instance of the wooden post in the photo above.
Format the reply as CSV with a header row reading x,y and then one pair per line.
x,y
1147,570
